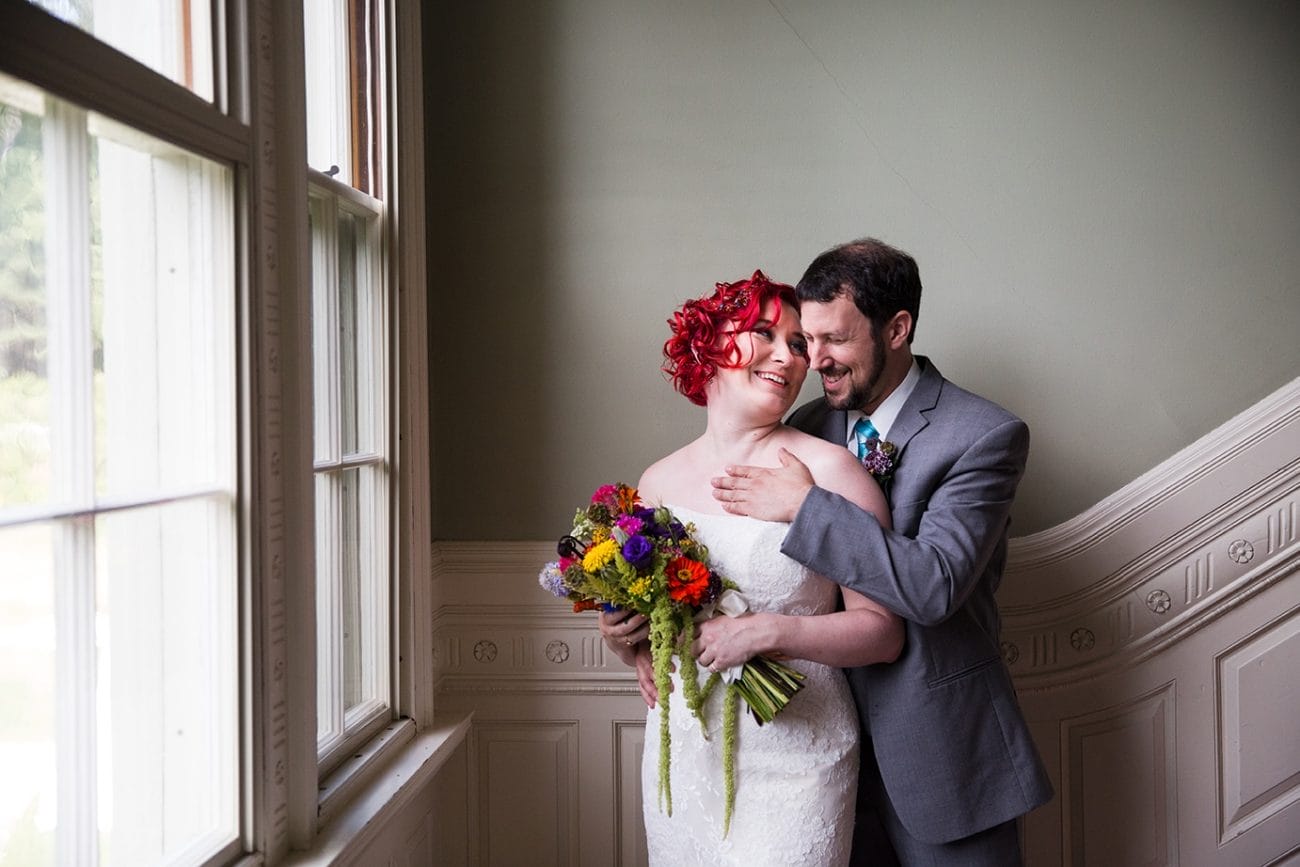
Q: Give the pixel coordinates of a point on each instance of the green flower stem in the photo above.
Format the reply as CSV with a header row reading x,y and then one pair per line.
x,y
730,705
713,681
767,686
690,673
662,635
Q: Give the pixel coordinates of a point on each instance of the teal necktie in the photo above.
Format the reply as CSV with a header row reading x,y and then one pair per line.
x,y
862,431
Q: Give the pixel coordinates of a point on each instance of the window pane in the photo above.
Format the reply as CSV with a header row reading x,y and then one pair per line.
x,y
344,80
172,37
24,341
329,722
366,592
353,587
348,276
166,637
163,381
352,598
28,809
320,217
325,26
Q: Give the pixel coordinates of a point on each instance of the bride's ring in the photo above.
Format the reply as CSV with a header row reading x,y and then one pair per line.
x,y
627,639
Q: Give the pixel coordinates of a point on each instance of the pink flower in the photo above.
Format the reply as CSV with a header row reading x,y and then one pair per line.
x,y
630,524
605,495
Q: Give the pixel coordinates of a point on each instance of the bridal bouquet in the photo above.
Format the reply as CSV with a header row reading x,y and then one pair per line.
x,y
623,554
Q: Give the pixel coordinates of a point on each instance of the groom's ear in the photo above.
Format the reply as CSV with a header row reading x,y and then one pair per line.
x,y
898,329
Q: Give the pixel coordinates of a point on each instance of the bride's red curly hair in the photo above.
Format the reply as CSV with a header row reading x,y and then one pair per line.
x,y
694,353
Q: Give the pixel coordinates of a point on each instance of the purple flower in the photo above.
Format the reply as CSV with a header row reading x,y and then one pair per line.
x,y
552,580
645,515
659,523
880,459
715,587
638,551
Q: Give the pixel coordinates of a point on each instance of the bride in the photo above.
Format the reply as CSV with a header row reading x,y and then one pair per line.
x,y
740,354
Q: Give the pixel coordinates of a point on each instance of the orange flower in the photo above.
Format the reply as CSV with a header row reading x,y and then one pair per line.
x,y
688,581
627,499
585,605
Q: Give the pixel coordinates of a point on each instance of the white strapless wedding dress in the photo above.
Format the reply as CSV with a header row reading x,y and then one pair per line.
x,y
796,777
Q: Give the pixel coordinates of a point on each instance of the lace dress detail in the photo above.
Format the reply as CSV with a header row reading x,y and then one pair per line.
x,y
796,777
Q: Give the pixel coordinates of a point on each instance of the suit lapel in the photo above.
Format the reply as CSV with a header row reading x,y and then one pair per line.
x,y
912,418
835,427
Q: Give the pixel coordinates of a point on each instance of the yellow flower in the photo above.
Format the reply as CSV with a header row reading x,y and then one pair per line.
x,y
640,588
599,555
598,535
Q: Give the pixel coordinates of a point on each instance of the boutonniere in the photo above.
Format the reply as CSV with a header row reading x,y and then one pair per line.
x,y
880,459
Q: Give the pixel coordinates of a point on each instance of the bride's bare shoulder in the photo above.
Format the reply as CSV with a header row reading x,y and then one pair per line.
x,y
663,479
824,459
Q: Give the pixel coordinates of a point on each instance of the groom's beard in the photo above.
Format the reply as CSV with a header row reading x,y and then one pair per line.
x,y
864,393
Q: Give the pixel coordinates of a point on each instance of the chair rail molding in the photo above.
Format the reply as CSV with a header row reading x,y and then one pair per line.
x,y
496,630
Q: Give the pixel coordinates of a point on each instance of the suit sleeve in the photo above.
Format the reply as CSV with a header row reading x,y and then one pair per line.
x,y
927,578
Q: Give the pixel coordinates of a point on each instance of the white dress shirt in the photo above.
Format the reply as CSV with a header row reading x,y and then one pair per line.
x,y
885,414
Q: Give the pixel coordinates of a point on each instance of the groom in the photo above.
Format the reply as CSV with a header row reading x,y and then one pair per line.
x,y
947,761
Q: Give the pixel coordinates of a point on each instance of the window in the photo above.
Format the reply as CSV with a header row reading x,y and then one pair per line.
x,y
350,351
118,598
352,476
186,432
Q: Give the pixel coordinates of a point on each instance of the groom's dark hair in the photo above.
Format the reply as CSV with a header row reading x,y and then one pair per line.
x,y
881,279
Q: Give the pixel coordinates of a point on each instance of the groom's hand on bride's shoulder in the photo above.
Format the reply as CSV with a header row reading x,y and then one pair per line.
x,y
765,493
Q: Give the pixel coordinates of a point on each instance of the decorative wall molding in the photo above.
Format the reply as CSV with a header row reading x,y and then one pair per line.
x,y
1167,599
1273,421
530,643
1164,557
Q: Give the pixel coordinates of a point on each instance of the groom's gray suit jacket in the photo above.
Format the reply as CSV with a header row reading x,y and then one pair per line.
x,y
952,745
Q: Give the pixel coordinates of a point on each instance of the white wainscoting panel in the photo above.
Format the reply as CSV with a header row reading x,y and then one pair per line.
x,y
1258,744
629,829
1118,784
1153,641
525,785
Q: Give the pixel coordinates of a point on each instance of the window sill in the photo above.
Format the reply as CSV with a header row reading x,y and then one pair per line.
x,y
359,803
341,785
